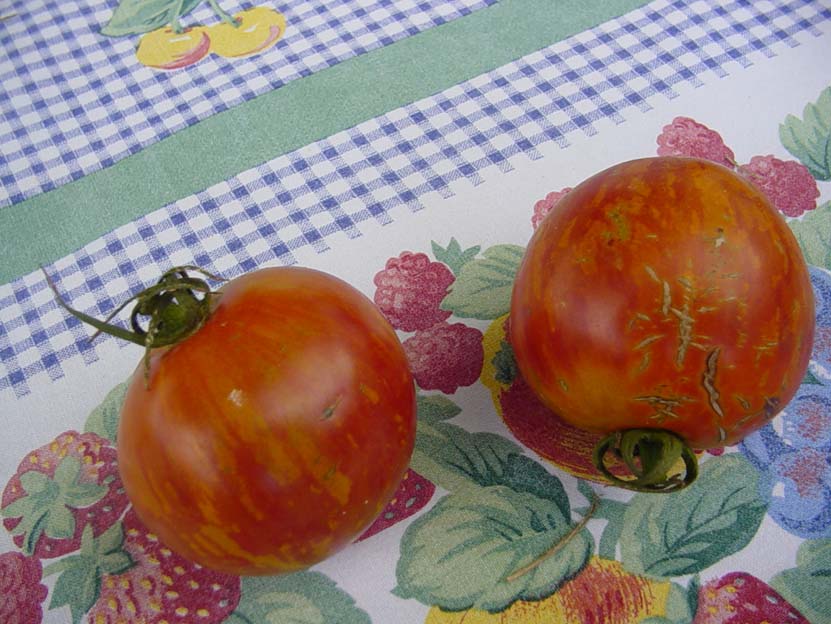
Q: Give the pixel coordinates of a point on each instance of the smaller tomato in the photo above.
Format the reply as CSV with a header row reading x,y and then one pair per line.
x,y
664,295
271,428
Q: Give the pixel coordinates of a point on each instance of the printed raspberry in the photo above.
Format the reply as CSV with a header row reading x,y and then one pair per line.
x,y
161,586
412,494
740,598
544,206
59,489
687,137
410,289
788,184
445,357
21,592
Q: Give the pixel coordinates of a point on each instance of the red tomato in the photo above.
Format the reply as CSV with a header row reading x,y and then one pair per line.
x,y
275,434
664,293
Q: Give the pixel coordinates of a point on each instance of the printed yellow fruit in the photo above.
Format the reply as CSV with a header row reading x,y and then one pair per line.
x,y
168,50
602,592
256,30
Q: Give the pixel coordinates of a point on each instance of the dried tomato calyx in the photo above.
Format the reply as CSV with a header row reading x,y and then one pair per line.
x,y
651,456
172,308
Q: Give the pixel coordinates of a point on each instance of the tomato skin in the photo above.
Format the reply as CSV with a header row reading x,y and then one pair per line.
x,y
274,435
664,293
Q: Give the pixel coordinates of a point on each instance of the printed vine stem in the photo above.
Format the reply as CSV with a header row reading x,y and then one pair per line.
x,y
223,15
557,547
175,24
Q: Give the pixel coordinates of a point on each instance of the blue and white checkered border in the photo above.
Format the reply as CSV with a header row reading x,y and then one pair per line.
x,y
332,187
75,101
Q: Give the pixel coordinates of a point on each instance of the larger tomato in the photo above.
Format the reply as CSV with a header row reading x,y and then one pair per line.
x,y
664,293
276,433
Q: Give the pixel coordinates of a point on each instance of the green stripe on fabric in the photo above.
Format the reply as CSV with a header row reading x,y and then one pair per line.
x,y
51,225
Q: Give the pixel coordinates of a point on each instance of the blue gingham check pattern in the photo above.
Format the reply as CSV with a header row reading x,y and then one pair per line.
x,y
74,101
328,189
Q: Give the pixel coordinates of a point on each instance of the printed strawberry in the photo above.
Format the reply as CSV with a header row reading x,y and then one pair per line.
x,y
788,184
686,137
445,357
740,598
60,489
413,493
21,592
128,575
544,206
410,289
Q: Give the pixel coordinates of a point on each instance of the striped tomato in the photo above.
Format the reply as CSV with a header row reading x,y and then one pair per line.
x,y
663,295
272,427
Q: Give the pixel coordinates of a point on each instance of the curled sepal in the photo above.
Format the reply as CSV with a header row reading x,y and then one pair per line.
x,y
651,456
172,310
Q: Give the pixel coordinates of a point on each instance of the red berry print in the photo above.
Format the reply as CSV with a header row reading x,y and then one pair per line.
x,y
740,598
544,206
58,490
161,586
412,494
445,357
788,184
410,289
21,592
686,137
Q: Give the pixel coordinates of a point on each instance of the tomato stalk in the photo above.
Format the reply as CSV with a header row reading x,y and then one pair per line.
x,y
171,306
651,456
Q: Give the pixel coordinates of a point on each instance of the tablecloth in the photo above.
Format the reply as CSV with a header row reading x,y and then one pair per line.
x,y
409,147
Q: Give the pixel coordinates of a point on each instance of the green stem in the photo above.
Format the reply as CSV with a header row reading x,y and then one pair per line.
x,y
177,13
559,545
173,310
649,455
223,15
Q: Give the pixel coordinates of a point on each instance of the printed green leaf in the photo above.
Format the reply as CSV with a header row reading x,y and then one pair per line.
x,y
110,541
456,459
809,138
79,581
47,504
808,586
688,531
482,289
459,554
434,408
68,470
300,598
61,523
133,17
454,257
103,420
34,482
813,232
78,586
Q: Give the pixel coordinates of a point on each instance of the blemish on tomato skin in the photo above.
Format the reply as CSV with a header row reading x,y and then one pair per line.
x,y
370,393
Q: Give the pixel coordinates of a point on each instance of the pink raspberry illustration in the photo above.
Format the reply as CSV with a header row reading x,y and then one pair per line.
x,y
687,137
410,289
544,206
445,357
21,592
787,183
